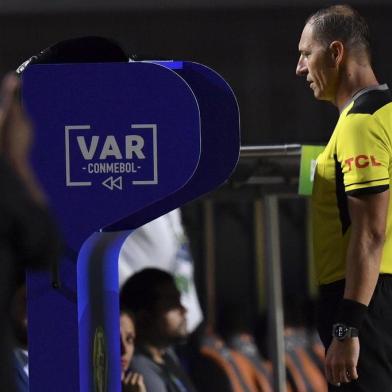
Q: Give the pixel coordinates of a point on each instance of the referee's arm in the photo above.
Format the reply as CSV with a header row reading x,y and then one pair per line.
x,y
368,214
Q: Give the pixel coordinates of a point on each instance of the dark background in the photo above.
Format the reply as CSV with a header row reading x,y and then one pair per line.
x,y
253,45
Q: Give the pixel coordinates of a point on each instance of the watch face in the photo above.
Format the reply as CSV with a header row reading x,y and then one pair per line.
x,y
341,331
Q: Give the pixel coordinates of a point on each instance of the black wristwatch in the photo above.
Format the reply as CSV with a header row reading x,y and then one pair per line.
x,y
342,332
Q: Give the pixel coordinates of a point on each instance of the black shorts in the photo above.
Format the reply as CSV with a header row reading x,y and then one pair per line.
x,y
375,337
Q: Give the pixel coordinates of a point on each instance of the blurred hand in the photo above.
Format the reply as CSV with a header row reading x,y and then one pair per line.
x,y
133,382
341,361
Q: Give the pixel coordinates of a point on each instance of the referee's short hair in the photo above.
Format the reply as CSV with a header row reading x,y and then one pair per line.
x,y
341,23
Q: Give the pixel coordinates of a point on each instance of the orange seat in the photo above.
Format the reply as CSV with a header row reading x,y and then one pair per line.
x,y
315,378
227,367
252,376
295,375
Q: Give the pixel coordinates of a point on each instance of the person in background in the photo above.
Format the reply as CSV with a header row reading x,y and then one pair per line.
x,y
131,382
19,326
28,235
154,299
352,217
163,243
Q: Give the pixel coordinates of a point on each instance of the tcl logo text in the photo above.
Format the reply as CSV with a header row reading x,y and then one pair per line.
x,y
361,161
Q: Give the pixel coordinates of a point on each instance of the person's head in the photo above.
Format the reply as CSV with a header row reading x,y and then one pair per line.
x,y
127,338
90,49
332,38
153,297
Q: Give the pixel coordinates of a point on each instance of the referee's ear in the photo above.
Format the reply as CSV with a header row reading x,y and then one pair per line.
x,y
337,52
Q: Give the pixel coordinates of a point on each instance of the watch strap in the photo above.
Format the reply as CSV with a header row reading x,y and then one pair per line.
x,y
341,331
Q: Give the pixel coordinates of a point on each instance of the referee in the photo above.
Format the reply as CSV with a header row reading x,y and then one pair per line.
x,y
352,221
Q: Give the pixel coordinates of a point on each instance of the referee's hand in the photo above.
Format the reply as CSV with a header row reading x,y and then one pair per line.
x,y
341,361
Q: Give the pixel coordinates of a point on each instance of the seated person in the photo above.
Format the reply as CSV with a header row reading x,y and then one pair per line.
x,y
131,382
154,299
19,326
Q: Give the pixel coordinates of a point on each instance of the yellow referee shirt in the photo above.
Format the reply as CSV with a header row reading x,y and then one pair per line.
x,y
357,160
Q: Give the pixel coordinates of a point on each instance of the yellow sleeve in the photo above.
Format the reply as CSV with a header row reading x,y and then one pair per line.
x,y
363,153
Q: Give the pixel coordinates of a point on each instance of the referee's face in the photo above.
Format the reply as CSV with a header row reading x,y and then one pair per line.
x,y
317,65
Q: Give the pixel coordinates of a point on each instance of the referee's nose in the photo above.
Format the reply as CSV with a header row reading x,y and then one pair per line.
x,y
302,67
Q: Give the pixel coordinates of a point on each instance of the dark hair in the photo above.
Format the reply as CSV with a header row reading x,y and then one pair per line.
x,y
127,312
341,23
141,290
79,50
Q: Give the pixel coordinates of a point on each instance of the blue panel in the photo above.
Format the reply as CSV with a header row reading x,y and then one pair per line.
x,y
98,311
53,333
220,129
171,64
86,115
117,145
108,142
